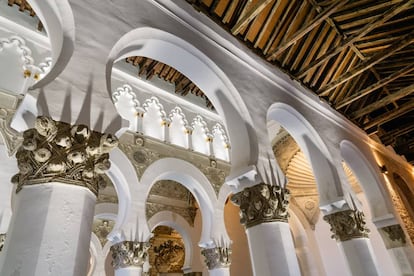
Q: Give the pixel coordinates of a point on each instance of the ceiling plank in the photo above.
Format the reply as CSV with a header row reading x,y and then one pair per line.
x,y
369,63
386,117
302,32
384,101
249,15
347,42
267,23
357,95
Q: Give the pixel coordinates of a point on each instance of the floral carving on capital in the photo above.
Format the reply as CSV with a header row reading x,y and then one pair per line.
x,y
129,253
217,257
347,225
262,203
54,151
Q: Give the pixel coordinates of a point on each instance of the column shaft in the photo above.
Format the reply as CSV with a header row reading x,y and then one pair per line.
x,y
359,256
348,228
263,211
272,250
50,231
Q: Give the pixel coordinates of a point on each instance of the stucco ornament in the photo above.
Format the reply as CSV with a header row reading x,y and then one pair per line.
x,y
262,203
54,151
393,236
2,240
347,225
217,257
129,253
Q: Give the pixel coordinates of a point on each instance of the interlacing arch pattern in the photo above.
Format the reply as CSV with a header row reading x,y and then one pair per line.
x,y
198,126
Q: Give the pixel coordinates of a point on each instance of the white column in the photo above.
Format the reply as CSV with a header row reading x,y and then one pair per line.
x,y
128,271
348,228
263,211
359,256
399,249
272,250
129,257
50,231
59,178
218,260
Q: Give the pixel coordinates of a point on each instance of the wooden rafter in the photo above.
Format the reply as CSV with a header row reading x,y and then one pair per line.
x,y
352,39
357,95
386,117
389,136
249,15
384,101
306,29
369,63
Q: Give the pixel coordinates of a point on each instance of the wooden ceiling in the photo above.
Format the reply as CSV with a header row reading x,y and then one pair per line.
x,y
356,55
148,68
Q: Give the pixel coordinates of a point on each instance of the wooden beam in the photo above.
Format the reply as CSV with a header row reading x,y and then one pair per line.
x,y
352,39
384,101
248,16
390,135
267,22
359,94
403,109
369,63
302,32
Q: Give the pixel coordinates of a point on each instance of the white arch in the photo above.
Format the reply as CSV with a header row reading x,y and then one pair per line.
x,y
57,18
178,53
372,184
329,185
190,177
177,222
123,176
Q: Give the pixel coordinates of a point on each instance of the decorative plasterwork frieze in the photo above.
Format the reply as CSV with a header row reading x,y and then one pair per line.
x,y
58,152
129,253
188,213
169,256
217,257
101,228
284,149
8,105
393,236
347,225
2,240
262,203
143,151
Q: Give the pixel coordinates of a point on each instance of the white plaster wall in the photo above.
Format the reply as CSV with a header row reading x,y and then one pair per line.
x,y
240,264
8,167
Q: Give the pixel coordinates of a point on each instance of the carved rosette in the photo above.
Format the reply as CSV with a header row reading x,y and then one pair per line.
x,y
129,253
347,225
217,257
262,203
2,240
54,151
393,236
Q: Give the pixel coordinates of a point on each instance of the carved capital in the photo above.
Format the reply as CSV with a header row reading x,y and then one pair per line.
x,y
393,236
58,152
347,225
2,240
217,257
262,203
129,253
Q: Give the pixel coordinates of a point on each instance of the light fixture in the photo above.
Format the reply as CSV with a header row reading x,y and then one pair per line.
x,y
383,169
